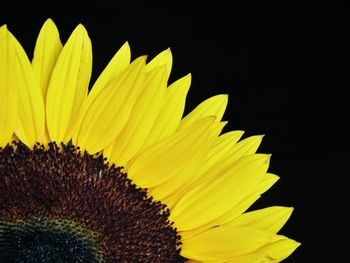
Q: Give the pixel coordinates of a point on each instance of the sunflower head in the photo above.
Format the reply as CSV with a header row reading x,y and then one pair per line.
x,y
117,173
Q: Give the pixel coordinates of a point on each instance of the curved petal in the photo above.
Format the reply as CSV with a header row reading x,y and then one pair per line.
x,y
221,162
142,117
214,106
117,64
68,86
171,188
163,160
205,203
271,253
170,114
47,49
30,126
218,149
225,242
222,148
235,212
163,58
270,219
109,111
8,90
266,183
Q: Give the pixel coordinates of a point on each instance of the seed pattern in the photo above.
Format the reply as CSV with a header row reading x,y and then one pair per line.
x,y
47,241
60,182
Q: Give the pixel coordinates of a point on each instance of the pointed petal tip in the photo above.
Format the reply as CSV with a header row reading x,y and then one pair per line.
x,y
293,244
265,157
49,21
126,44
286,210
3,31
289,246
224,123
80,29
167,51
223,98
289,211
273,177
50,26
141,59
187,77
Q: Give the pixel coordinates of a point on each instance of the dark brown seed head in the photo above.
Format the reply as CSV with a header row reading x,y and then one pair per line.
x,y
74,201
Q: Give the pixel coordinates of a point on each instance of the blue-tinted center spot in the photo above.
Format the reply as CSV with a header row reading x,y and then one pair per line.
x,y
47,241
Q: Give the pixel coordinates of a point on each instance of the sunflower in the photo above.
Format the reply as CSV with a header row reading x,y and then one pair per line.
x,y
118,174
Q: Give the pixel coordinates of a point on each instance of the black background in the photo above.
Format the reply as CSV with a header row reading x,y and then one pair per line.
x,y
285,67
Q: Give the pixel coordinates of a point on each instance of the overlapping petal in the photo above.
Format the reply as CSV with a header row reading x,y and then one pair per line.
x,y
27,105
8,90
68,86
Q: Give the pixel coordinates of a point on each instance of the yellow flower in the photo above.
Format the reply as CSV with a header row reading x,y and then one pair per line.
x,y
118,173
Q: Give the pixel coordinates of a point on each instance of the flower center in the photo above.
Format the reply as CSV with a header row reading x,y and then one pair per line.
x,y
47,241
60,205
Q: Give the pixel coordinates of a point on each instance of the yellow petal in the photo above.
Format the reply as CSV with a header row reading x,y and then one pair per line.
x,y
8,89
141,120
225,159
221,149
118,63
170,115
279,250
267,181
271,253
109,111
164,58
47,48
217,129
30,124
205,203
269,219
224,243
245,147
171,188
163,160
214,106
233,213
69,85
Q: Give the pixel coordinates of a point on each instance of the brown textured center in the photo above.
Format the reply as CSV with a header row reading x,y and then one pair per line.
x,y
60,183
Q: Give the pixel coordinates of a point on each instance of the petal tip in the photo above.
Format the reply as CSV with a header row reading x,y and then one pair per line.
x,y
3,31
80,30
126,45
49,21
